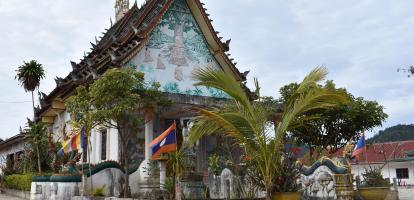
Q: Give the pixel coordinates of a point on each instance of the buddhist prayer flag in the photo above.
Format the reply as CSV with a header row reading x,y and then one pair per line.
x,y
166,142
76,142
360,146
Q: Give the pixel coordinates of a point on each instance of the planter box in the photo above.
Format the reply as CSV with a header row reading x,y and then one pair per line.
x,y
375,193
287,196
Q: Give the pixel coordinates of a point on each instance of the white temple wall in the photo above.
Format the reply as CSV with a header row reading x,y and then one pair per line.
x,y
111,149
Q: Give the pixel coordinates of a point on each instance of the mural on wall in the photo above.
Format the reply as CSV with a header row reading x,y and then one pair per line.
x,y
176,48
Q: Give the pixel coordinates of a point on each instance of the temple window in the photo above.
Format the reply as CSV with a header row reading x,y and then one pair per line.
x,y
104,134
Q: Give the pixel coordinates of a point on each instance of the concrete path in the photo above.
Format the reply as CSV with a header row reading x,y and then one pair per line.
x,y
7,197
406,193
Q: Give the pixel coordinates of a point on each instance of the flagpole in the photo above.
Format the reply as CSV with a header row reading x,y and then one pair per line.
x,y
177,160
365,148
82,163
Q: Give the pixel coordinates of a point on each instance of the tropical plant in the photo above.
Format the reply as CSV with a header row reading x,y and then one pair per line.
x,y
247,122
36,135
29,75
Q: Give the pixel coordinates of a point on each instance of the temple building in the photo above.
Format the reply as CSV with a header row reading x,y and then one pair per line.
x,y
167,40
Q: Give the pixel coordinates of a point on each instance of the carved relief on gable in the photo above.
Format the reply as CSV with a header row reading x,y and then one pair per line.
x,y
176,48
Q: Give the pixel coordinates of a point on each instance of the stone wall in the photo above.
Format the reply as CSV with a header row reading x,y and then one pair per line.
x,y
54,190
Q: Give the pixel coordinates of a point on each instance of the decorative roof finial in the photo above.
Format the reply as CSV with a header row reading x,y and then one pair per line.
x,y
121,7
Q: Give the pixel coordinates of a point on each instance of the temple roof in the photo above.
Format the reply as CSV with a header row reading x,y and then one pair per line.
x,y
13,140
125,39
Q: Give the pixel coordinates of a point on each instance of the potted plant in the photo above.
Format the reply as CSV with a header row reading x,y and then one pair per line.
x,y
374,187
286,185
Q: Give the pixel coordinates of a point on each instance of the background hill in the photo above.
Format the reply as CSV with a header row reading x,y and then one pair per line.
x,y
394,133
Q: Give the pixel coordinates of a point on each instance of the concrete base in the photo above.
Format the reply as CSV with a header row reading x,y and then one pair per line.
x,y
192,190
17,193
112,179
54,190
134,180
101,198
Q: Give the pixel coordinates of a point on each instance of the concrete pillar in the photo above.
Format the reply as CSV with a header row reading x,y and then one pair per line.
x,y
163,174
149,130
98,146
145,185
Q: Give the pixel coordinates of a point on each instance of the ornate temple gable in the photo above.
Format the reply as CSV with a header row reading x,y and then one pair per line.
x,y
124,39
175,49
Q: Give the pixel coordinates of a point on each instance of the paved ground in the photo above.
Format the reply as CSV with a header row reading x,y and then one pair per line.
x,y
6,197
406,193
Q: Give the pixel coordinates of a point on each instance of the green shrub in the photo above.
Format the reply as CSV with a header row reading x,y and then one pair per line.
x,y
18,182
99,192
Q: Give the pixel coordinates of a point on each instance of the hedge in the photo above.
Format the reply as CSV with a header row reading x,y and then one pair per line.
x,y
18,182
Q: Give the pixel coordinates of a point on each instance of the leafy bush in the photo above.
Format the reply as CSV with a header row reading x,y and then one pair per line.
x,y
18,182
214,164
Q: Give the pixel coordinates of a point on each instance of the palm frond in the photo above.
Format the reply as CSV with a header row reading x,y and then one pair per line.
x,y
30,74
229,123
218,79
202,126
313,99
312,79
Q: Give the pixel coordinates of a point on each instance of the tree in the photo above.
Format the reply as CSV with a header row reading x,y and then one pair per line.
x,y
29,76
36,135
117,100
393,134
248,124
334,128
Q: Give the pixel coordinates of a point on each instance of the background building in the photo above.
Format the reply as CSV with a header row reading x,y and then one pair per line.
x,y
396,160
11,151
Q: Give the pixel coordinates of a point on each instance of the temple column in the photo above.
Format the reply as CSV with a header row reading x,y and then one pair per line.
x,y
145,185
149,129
163,174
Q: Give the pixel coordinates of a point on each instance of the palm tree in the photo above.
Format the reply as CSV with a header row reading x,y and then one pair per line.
x,y
248,122
35,133
29,75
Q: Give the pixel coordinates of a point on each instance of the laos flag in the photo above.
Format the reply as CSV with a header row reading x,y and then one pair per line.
x,y
166,142
360,146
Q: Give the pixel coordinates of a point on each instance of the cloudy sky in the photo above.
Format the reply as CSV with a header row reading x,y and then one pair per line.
x,y
361,42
